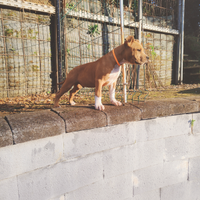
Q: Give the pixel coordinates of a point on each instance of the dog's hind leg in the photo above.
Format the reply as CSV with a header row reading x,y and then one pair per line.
x,y
65,87
75,89
98,90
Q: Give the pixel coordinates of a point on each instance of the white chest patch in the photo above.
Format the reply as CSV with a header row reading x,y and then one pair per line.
x,y
114,74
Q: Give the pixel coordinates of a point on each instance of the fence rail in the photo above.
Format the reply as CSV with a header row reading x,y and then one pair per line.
x,y
116,21
28,6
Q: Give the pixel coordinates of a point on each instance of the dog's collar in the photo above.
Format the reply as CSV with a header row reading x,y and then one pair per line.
x,y
115,57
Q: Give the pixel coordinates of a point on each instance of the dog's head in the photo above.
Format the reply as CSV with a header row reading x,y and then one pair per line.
x,y
135,51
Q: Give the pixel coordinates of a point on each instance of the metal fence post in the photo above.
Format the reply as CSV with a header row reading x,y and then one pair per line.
x,y
139,37
58,40
180,43
122,41
182,40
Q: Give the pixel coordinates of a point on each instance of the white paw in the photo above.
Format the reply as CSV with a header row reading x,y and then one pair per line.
x,y
72,103
100,107
98,104
116,103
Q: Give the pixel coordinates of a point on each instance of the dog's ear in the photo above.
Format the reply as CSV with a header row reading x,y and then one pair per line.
x,y
129,40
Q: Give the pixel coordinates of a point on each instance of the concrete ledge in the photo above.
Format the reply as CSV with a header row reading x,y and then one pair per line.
x,y
81,117
162,108
5,134
25,127
35,125
120,114
195,99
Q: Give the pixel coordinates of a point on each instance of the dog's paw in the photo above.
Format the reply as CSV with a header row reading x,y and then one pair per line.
x,y
116,103
72,103
98,104
100,107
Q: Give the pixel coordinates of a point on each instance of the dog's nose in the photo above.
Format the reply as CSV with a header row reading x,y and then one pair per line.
x,y
147,57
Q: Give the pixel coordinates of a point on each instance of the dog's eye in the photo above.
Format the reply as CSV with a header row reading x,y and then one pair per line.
x,y
139,49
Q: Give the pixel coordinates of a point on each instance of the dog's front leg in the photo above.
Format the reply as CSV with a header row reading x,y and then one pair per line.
x,y
112,95
98,90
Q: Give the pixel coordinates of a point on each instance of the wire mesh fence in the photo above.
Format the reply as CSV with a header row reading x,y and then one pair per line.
x,y
92,29
159,46
25,53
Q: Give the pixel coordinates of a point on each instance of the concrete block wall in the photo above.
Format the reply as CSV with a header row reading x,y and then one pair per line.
x,y
146,159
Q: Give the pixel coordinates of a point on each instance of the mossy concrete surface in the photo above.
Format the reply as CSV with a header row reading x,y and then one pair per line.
x,y
29,126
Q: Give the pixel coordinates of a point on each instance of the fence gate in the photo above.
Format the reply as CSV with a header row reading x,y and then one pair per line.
x,y
91,28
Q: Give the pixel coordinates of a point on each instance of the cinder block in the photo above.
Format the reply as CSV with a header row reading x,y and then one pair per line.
x,y
194,145
147,179
175,172
194,189
95,140
182,191
61,197
8,189
182,147
49,182
158,176
178,191
196,128
194,172
24,157
126,159
176,148
148,153
117,188
89,192
168,126
118,161
138,130
149,195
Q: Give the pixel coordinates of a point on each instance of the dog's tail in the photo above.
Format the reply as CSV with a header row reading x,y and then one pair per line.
x,y
60,83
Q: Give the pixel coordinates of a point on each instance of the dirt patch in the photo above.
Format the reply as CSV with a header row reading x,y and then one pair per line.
x,y
44,101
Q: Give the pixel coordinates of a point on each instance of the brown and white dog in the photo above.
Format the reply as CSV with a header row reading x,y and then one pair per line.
x,y
102,72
